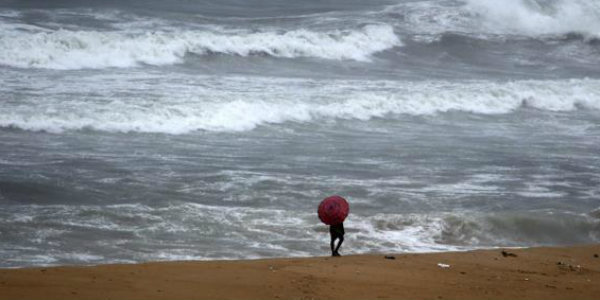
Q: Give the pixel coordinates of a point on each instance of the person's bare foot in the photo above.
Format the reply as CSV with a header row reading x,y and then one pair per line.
x,y
335,254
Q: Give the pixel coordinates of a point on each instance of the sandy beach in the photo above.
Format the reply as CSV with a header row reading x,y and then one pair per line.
x,y
532,273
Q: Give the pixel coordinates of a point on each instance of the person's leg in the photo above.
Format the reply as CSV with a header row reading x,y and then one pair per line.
x,y
332,244
341,240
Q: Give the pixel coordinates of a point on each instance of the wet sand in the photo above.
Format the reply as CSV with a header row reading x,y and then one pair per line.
x,y
532,273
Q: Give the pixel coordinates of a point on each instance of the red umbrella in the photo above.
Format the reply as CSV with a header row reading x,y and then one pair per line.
x,y
333,210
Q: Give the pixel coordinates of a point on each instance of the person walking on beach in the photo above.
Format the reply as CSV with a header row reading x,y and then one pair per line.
x,y
333,211
337,232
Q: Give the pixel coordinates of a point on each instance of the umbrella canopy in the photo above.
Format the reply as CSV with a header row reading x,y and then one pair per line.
x,y
333,210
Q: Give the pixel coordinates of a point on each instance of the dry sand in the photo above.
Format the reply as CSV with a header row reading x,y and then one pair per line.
x,y
534,273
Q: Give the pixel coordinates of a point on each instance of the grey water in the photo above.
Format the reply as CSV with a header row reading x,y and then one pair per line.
x,y
172,130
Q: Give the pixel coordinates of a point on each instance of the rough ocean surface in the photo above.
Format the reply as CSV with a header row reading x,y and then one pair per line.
x,y
166,130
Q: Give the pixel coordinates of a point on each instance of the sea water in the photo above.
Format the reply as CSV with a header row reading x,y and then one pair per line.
x,y
138,131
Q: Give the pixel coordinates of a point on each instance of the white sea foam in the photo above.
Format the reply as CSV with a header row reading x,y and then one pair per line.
x,y
242,104
208,231
7,13
68,49
83,257
537,190
497,19
535,17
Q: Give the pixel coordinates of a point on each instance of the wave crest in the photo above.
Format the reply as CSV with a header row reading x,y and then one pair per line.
x,y
65,49
245,104
535,17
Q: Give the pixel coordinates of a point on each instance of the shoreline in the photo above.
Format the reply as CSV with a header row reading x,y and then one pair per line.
x,y
571,272
84,265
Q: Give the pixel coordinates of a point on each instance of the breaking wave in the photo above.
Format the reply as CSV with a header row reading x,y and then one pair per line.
x,y
497,19
172,232
67,49
538,17
244,104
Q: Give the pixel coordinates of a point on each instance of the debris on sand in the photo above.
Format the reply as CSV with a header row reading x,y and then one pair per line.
x,y
568,267
389,257
507,254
